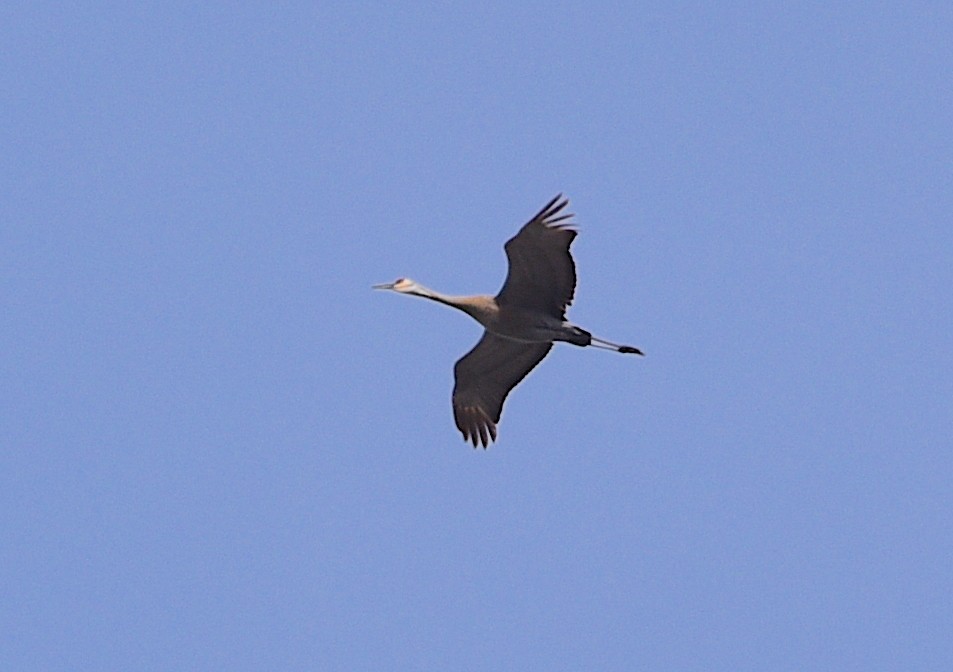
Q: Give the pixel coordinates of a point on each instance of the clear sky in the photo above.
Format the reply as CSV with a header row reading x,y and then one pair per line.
x,y
220,450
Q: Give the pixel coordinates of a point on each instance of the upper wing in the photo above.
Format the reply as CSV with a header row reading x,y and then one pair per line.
x,y
483,377
542,274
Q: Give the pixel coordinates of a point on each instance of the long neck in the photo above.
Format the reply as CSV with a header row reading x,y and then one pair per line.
x,y
477,307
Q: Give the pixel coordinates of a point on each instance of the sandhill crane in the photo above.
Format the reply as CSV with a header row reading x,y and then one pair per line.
x,y
521,322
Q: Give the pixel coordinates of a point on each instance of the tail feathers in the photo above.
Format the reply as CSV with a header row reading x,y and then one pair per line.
x,y
580,337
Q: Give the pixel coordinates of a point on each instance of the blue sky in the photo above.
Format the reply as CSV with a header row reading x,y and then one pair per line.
x,y
219,449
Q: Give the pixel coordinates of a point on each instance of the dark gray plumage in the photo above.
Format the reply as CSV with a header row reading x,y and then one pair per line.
x,y
522,322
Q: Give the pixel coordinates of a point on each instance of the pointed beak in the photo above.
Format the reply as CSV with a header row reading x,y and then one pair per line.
x,y
386,285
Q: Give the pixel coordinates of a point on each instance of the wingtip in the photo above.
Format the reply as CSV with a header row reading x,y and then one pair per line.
x,y
475,426
552,208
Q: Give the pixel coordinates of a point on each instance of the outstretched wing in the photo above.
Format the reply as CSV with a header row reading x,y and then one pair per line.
x,y
483,377
542,275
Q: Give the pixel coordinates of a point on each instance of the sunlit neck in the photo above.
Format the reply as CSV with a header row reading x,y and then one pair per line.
x,y
471,305
427,293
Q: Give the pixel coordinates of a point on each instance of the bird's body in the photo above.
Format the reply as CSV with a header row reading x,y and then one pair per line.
x,y
522,322
515,323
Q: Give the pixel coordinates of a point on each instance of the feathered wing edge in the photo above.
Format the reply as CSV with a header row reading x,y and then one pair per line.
x,y
483,377
541,273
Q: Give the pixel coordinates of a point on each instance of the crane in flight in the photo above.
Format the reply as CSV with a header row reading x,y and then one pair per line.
x,y
521,322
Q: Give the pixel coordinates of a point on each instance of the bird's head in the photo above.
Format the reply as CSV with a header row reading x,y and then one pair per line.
x,y
401,285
